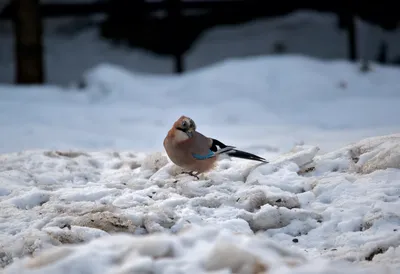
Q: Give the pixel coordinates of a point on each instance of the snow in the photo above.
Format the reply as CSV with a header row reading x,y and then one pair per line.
x,y
275,103
86,187
283,217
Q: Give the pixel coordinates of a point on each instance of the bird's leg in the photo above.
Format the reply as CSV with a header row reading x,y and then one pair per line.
x,y
191,173
195,175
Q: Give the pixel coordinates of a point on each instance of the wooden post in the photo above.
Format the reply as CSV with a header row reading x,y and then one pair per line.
x,y
28,50
352,36
174,16
347,21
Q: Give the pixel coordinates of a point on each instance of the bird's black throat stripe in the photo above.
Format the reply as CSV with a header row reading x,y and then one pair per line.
x,y
181,129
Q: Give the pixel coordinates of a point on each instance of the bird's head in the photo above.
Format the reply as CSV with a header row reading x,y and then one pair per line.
x,y
186,125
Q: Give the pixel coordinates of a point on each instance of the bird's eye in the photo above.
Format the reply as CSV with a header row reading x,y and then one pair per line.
x,y
184,124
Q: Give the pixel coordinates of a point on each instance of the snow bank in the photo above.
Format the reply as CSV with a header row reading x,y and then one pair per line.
x,y
264,105
290,90
366,156
312,205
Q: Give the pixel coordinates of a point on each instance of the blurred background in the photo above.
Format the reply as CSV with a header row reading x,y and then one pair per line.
x,y
264,76
56,41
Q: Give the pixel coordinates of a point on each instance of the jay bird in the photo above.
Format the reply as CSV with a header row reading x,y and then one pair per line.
x,y
194,152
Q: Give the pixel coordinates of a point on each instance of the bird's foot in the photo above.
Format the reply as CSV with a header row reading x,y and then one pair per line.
x,y
191,173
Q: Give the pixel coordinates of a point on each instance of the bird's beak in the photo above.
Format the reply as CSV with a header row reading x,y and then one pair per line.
x,y
189,132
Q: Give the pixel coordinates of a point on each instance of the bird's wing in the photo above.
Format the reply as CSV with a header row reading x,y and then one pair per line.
x,y
204,148
210,154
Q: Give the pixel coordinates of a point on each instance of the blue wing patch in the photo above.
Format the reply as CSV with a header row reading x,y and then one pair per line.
x,y
203,157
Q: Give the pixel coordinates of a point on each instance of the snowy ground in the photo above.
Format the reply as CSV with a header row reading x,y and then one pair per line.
x,y
80,164
319,202
341,205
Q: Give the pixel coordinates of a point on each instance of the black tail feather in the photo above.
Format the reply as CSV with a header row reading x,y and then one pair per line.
x,y
216,145
246,155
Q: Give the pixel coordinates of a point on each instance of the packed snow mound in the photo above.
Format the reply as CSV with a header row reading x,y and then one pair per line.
x,y
365,156
314,204
194,250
